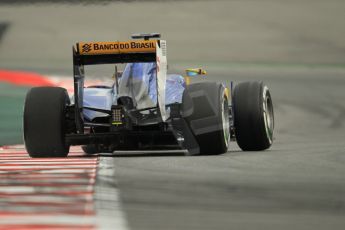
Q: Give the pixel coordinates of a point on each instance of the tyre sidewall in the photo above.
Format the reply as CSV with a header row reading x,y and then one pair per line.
x,y
250,125
44,122
210,136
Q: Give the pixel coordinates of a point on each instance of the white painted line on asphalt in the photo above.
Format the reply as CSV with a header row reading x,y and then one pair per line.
x,y
43,167
48,219
27,189
54,163
110,214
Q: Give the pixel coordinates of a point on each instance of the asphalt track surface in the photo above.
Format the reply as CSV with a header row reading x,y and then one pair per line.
x,y
295,48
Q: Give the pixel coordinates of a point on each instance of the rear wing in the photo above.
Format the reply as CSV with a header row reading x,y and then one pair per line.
x,y
91,53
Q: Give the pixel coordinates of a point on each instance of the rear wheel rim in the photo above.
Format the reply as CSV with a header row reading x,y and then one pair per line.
x,y
225,122
268,115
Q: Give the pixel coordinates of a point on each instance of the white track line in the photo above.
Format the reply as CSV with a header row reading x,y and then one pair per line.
x,y
110,214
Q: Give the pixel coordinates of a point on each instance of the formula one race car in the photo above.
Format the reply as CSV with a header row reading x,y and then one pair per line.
x,y
145,108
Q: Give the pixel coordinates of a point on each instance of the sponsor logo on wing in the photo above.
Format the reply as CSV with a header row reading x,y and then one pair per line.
x,y
86,48
124,46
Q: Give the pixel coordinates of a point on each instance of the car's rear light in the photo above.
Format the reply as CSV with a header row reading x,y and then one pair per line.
x,y
117,115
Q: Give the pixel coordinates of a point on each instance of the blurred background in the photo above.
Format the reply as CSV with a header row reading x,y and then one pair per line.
x,y
296,47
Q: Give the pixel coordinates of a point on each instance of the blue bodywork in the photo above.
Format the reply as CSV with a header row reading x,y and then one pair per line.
x,y
138,81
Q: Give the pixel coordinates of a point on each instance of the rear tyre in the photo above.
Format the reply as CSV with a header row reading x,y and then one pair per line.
x,y
45,122
206,110
253,116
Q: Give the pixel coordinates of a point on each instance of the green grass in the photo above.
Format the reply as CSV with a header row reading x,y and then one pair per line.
x,y
11,113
